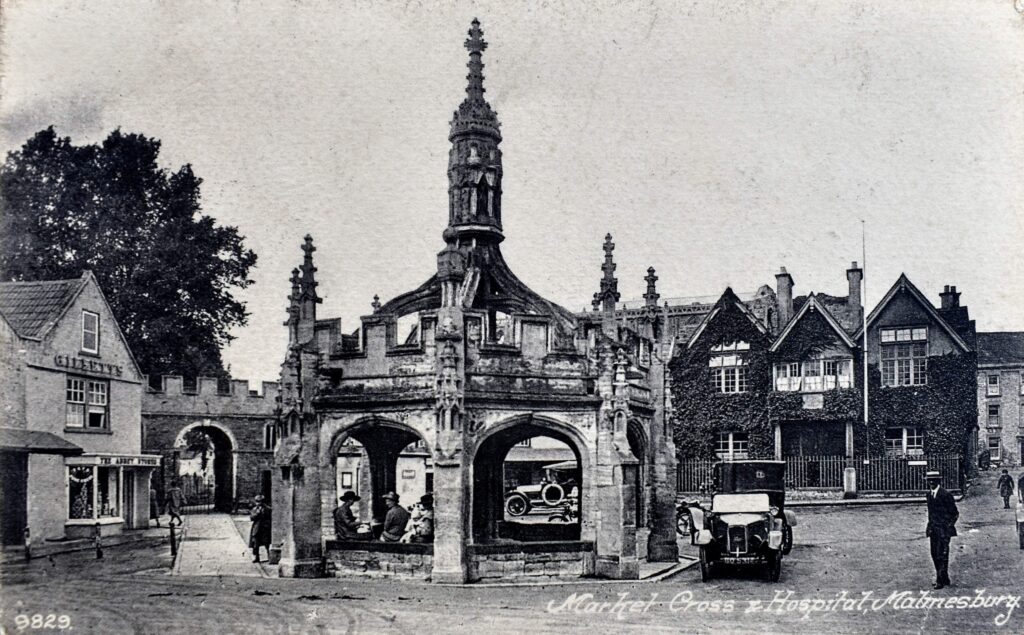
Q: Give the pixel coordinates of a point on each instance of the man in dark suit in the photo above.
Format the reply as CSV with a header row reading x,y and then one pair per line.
x,y
942,517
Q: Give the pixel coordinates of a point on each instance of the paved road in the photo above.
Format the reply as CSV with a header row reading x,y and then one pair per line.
x,y
213,546
878,551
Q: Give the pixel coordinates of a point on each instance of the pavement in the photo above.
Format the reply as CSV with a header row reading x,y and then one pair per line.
x,y
212,545
852,570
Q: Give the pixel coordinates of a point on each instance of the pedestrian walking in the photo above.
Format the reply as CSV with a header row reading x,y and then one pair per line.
x,y
175,502
942,517
345,525
154,506
259,533
1006,488
395,520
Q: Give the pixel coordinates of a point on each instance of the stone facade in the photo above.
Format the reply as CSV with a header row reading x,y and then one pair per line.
x,y
1001,396
241,422
487,365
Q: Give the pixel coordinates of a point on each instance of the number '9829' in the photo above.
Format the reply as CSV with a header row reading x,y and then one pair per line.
x,y
38,621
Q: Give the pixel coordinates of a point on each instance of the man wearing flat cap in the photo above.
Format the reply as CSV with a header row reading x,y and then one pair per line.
x,y
942,517
345,526
395,520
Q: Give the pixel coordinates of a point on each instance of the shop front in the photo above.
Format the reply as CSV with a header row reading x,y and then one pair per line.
x,y
109,491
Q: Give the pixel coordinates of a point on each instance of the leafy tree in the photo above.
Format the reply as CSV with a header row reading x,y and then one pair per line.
x,y
168,271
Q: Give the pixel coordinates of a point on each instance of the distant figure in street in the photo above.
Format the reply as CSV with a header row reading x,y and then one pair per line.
x,y
154,506
395,520
259,534
175,501
1020,488
345,525
1006,488
942,517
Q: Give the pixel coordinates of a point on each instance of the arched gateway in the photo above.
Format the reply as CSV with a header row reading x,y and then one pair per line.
x,y
541,434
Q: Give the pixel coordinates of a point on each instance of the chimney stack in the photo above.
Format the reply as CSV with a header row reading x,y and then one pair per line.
x,y
854,275
784,294
950,297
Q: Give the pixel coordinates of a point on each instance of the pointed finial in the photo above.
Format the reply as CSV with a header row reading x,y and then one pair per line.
x,y
651,296
609,293
476,46
309,283
376,303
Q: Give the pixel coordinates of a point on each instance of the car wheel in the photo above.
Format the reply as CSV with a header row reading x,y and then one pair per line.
x,y
705,565
683,523
774,568
787,539
552,494
517,505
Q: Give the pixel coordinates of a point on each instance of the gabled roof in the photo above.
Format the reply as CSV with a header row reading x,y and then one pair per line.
x,y
904,283
727,298
32,308
1001,348
812,304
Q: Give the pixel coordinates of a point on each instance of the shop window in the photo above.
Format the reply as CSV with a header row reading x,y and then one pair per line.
x,y
993,415
87,404
107,491
269,436
729,367
80,492
90,332
904,356
993,386
907,441
733,445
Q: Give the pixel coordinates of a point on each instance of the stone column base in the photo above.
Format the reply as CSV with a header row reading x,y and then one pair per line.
x,y
308,568
618,568
449,576
662,551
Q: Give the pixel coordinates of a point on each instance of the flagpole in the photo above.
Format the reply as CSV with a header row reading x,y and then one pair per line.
x,y
864,312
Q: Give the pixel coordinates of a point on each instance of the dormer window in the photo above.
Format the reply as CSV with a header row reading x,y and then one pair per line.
x,y
90,332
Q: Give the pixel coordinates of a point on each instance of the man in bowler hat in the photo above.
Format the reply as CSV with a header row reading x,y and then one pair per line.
x,y
942,517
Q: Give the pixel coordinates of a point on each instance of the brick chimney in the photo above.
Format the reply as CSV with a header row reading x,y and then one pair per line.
x,y
950,297
784,293
854,275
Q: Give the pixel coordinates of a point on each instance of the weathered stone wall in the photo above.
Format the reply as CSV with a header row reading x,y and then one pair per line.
x,y
379,560
537,560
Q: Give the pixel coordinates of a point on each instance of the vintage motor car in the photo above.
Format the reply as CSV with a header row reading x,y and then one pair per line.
x,y
556,491
747,522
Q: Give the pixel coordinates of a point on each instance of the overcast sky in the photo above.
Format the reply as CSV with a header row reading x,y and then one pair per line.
x,y
715,141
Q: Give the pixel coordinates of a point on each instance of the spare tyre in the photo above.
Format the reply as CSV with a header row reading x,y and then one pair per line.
x,y
552,494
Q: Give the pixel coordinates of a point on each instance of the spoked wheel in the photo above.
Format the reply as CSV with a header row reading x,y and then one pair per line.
x,y
705,565
517,505
774,568
683,524
787,539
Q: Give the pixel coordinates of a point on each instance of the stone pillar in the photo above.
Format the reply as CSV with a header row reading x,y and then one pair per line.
x,y
661,545
778,441
849,439
301,549
451,514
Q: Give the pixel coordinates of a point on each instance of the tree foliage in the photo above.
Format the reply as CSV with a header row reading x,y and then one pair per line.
x,y
168,272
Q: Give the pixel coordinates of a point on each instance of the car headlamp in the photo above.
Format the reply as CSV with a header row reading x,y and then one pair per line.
x,y
774,510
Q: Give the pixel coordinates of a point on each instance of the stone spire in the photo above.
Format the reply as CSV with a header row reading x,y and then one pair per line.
x,y
309,282
474,162
606,298
294,307
651,296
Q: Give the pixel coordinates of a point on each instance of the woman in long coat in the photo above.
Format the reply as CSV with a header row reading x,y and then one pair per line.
x,y
259,535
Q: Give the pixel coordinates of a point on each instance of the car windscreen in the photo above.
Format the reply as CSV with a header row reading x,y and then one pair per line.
x,y
736,503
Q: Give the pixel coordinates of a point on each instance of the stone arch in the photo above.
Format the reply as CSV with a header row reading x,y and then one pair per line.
x,y
640,447
225,461
487,457
383,441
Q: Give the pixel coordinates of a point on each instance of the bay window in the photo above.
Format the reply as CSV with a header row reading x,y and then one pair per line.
x,y
94,492
814,375
729,367
904,353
